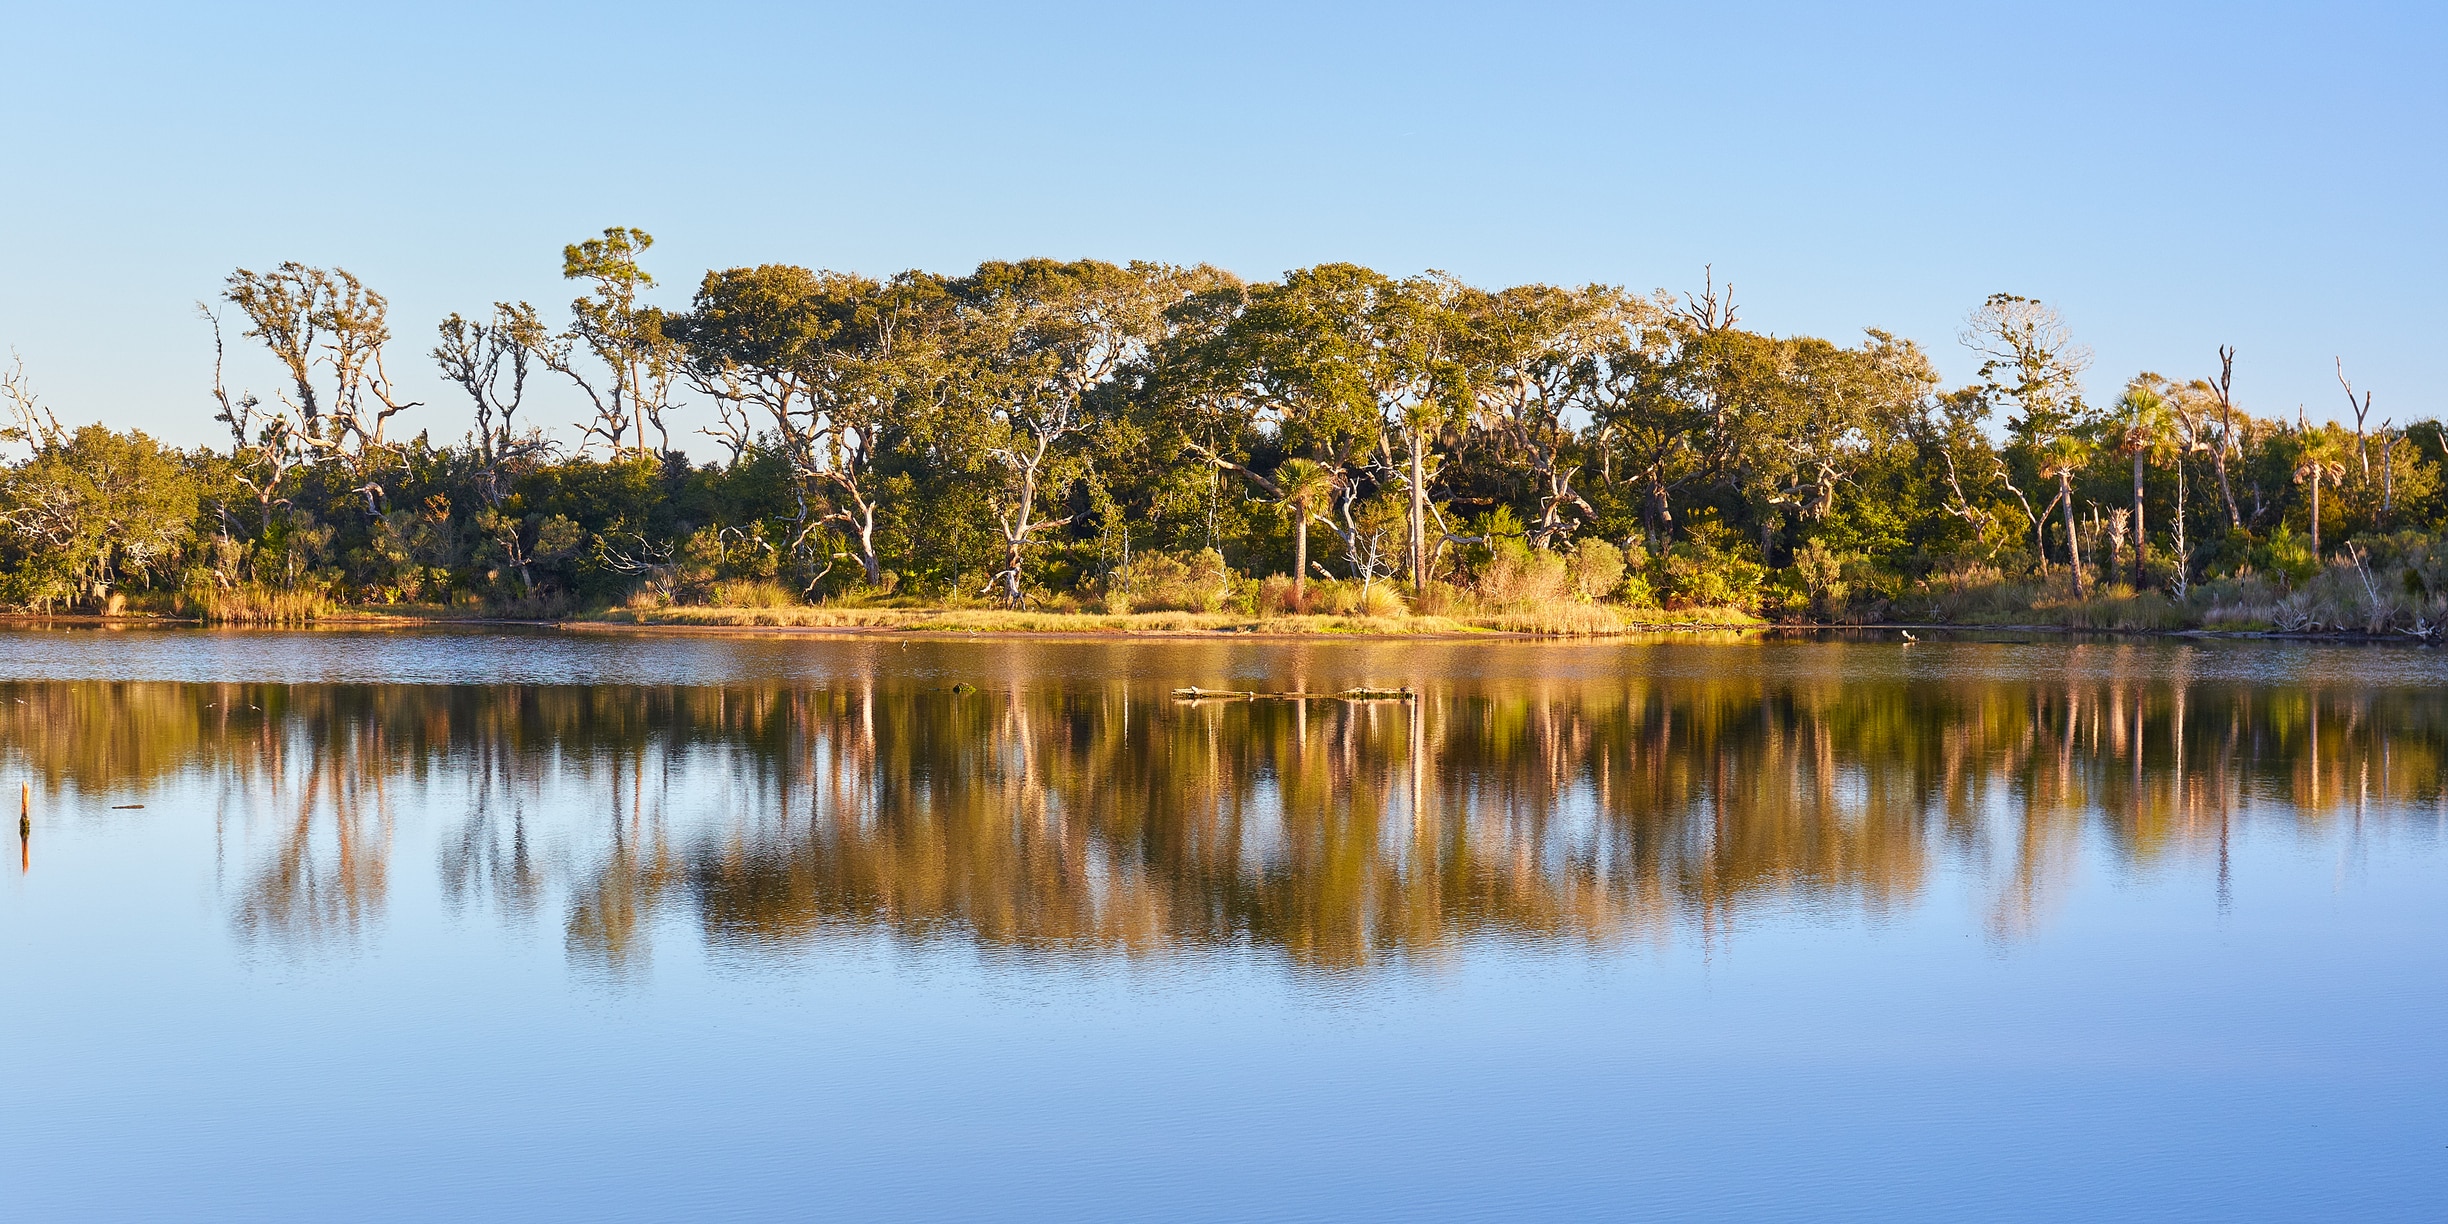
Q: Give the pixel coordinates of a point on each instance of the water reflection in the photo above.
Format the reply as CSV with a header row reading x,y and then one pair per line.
x,y
1100,817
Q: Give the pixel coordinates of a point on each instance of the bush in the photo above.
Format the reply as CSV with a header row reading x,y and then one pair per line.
x,y
1636,590
1710,568
753,593
1819,574
1515,577
1272,596
1346,597
1441,599
2287,555
1595,570
1170,582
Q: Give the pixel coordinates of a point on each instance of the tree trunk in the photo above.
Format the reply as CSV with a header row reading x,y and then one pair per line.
x,y
2065,488
2218,458
1011,571
2184,556
2141,536
869,560
1419,515
1300,557
2316,483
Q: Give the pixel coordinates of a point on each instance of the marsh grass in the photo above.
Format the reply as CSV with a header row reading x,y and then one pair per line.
x,y
1982,597
255,604
1567,619
995,620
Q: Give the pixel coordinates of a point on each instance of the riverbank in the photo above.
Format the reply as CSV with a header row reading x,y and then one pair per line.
x,y
1577,621
1574,620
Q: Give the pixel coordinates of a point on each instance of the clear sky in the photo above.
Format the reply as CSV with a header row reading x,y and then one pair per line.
x,y
2172,176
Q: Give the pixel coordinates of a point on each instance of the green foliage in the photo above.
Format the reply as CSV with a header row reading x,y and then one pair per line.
x,y
2285,554
1595,569
91,511
1169,582
1711,568
1045,433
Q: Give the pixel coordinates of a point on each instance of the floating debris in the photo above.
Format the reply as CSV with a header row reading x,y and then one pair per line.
x,y
1195,693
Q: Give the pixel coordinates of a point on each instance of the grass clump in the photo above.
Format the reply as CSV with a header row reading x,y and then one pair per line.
x,y
1170,582
254,603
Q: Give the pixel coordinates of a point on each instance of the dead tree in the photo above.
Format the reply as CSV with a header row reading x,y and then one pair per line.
x,y
489,361
2224,388
2361,409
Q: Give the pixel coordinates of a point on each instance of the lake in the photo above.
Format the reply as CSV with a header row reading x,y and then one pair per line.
x,y
589,926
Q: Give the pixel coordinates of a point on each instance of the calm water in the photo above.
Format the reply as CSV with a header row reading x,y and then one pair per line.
x,y
563,926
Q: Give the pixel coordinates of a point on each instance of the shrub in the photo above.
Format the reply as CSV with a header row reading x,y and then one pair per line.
x,y
1272,596
1439,599
1514,577
1711,568
1636,592
753,593
1595,570
1346,597
1169,582
1815,585
2287,555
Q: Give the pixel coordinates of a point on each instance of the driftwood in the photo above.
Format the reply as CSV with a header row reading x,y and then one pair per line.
x,y
1357,694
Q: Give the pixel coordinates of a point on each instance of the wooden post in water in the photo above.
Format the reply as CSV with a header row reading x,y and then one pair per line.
x,y
25,827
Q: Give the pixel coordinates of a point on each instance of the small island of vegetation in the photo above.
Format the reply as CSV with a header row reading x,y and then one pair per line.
x,y
1092,446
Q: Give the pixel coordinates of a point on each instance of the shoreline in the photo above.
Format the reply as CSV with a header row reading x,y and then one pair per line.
x,y
947,624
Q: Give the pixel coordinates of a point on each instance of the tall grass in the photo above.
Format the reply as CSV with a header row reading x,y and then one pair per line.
x,y
256,604
1983,596
1167,582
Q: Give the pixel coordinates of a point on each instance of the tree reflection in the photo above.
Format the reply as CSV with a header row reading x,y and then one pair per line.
x,y
1102,818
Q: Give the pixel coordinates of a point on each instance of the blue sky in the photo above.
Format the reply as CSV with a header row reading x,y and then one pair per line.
x,y
2173,177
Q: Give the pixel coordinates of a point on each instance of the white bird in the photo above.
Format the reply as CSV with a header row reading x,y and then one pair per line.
x,y
1909,639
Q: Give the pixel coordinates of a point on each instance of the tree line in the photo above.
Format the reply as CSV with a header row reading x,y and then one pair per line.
x,y
1068,434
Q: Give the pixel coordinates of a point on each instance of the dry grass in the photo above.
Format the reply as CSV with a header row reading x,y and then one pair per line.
x,y
742,593
1984,597
1603,620
988,620
1561,620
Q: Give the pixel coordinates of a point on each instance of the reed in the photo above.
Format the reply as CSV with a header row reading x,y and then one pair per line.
x,y
255,604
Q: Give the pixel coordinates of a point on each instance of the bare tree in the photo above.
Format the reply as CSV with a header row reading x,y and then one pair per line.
x,y
2361,409
284,308
27,419
265,445
2224,389
2029,361
489,361
313,317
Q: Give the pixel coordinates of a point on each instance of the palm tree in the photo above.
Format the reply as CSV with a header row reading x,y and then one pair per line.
x,y
2321,460
2146,430
1303,483
2065,455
